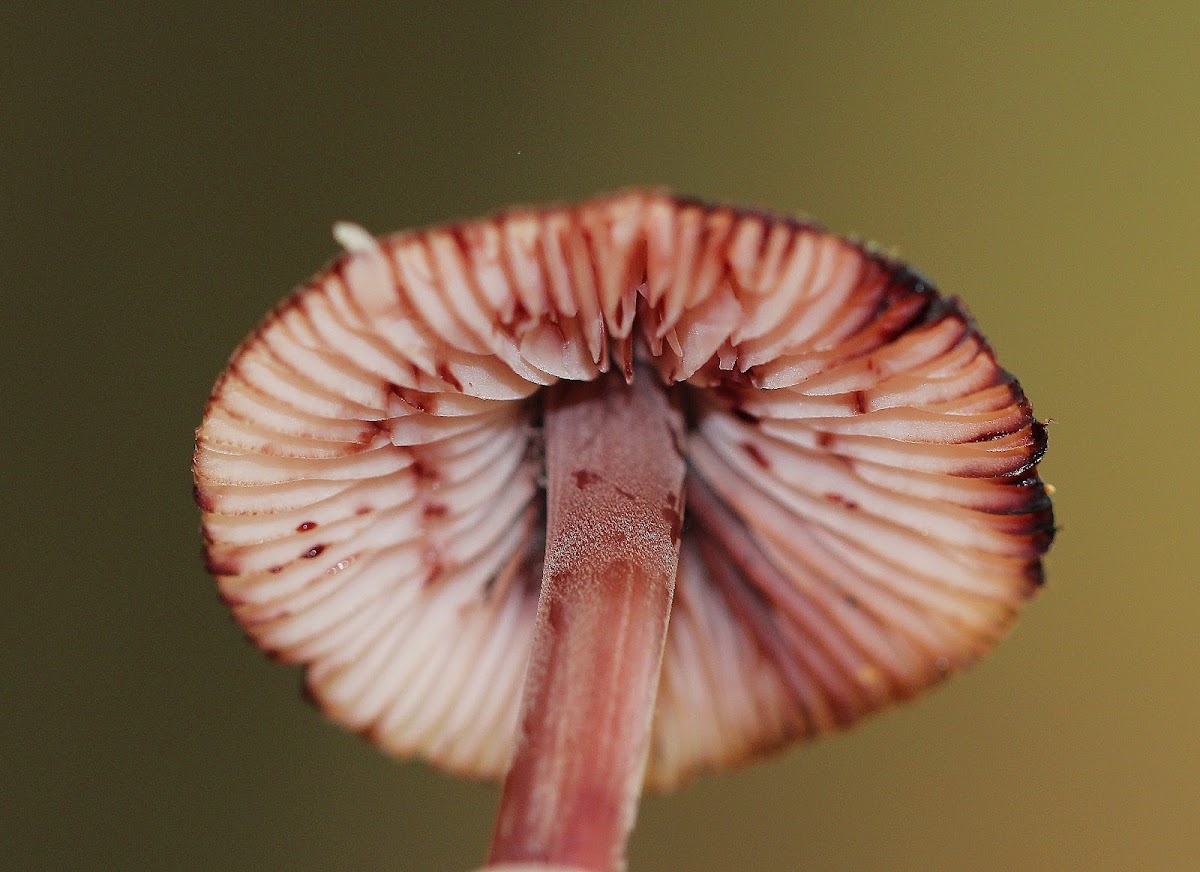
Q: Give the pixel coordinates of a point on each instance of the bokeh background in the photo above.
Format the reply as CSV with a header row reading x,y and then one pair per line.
x,y
169,171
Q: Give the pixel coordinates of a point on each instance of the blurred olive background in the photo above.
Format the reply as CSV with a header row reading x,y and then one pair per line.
x,y
169,171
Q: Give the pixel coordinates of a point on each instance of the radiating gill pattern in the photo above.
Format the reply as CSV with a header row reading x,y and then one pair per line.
x,y
863,515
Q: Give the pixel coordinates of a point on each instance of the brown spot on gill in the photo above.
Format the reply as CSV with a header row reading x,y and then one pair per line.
x,y
307,525
435,567
744,416
363,510
445,374
315,551
435,510
825,439
841,501
585,477
519,315
858,402
423,471
756,454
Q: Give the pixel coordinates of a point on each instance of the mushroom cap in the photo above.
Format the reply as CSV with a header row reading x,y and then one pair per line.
x,y
863,518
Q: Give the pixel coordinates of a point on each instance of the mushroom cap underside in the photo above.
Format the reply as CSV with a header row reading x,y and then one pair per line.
x,y
863,511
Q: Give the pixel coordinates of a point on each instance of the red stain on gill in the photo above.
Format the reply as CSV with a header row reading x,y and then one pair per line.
x,y
444,373
307,525
433,559
519,314
756,454
841,500
424,472
315,551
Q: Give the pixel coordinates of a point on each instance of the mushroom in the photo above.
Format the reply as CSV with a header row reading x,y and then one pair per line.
x,y
600,496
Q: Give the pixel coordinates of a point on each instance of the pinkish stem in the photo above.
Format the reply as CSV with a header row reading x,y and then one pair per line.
x,y
614,481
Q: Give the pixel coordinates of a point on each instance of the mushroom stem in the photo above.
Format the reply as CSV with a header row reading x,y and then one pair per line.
x,y
614,483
